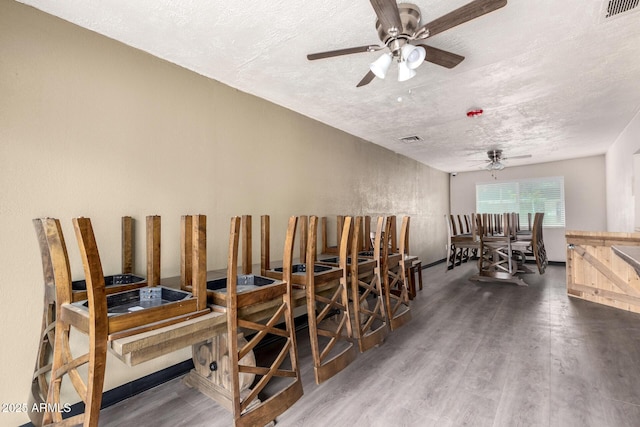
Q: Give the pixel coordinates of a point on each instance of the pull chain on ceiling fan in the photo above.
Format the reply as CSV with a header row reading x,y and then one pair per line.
x,y
398,27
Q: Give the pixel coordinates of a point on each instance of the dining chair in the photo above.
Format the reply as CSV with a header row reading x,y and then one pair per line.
x,y
328,310
369,320
125,280
391,269
281,372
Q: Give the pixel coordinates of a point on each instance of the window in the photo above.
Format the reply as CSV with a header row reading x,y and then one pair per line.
x,y
524,196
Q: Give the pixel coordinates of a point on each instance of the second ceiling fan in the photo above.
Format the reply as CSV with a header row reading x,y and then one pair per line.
x,y
399,30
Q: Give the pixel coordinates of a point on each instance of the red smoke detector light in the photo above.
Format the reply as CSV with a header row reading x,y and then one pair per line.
x,y
474,113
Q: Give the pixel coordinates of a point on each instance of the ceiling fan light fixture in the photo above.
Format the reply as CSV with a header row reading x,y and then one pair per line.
x,y
404,72
495,166
413,55
380,66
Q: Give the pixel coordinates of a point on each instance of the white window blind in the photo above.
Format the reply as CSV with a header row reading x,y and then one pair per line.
x,y
524,196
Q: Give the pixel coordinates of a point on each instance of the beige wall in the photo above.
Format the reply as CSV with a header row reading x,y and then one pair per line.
x,y
90,127
622,195
584,192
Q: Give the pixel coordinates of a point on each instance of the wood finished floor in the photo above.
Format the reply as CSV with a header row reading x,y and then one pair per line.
x,y
475,354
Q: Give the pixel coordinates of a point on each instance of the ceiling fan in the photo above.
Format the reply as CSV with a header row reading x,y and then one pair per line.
x,y
495,160
398,27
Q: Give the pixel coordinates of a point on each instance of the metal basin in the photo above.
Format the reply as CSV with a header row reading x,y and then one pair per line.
x,y
302,268
336,260
140,299
116,279
246,282
366,253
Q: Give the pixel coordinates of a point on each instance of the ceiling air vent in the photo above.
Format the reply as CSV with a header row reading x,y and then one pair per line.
x,y
411,139
616,7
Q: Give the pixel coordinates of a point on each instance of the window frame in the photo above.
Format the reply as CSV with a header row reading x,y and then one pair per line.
x,y
555,220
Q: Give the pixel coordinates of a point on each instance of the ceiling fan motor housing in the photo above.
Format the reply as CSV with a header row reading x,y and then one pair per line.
x,y
410,17
495,155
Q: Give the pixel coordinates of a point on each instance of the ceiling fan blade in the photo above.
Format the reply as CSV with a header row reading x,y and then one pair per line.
x,y
441,57
388,14
461,15
366,79
347,51
525,156
481,165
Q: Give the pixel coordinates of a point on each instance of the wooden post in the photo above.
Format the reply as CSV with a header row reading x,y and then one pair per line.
x,y
199,257
186,252
303,223
323,232
339,225
367,234
127,245
246,244
405,239
460,224
265,261
393,233
153,250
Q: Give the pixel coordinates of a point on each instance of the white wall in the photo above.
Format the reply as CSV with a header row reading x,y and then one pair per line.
x,y
620,177
91,127
584,191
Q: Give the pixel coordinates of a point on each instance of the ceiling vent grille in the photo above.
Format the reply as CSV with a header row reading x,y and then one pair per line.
x,y
411,139
616,7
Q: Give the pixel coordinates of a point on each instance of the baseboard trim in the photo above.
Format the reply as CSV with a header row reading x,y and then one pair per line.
x,y
443,260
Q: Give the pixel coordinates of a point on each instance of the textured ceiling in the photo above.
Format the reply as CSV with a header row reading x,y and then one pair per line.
x,y
555,78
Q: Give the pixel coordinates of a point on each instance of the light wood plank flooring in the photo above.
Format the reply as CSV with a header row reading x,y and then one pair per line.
x,y
476,354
